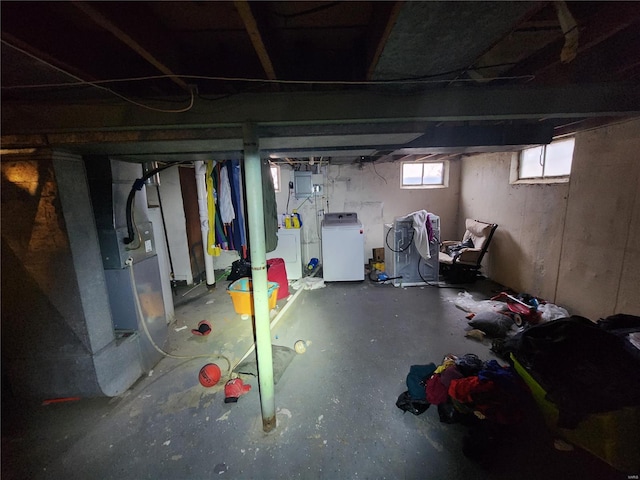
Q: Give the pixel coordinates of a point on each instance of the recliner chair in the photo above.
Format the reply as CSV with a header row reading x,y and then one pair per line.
x,y
460,262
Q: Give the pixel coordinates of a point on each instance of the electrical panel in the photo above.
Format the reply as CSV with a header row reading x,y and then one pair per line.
x,y
302,184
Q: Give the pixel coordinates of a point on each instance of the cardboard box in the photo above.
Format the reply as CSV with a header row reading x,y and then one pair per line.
x,y
378,254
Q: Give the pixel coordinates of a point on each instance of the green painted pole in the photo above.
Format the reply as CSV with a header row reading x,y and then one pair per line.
x,y
255,219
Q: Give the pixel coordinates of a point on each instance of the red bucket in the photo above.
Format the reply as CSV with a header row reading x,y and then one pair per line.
x,y
277,272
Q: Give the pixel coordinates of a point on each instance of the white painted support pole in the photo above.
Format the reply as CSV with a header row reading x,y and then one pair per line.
x,y
255,220
201,186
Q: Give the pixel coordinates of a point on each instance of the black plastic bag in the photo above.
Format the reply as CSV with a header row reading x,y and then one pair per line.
x,y
448,413
408,404
239,269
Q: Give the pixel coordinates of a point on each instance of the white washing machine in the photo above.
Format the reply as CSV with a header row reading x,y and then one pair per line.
x,y
342,247
289,249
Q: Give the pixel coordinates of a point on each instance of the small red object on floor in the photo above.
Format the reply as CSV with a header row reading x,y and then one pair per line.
x,y
204,328
234,389
209,375
60,400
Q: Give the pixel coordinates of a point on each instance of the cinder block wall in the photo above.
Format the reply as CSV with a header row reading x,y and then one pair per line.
x,y
573,244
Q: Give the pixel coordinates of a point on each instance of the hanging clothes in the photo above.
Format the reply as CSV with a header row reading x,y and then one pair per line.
x,y
421,235
221,238
212,246
227,212
239,229
270,208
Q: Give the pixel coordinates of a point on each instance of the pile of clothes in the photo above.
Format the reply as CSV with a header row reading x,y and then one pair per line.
x,y
464,386
485,396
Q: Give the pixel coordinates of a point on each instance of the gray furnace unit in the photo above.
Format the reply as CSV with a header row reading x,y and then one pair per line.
x,y
110,182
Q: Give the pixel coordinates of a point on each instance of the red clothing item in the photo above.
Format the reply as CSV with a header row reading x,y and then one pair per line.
x,y
437,385
465,389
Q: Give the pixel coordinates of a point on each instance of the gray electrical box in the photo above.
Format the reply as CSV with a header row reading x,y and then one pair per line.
x,y
115,253
302,184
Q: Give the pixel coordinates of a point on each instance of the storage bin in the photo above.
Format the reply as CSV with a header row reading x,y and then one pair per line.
x,y
242,295
610,436
277,272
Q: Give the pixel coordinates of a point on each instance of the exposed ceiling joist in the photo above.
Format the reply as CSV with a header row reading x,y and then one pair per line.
x,y
386,31
594,30
145,50
44,58
359,75
251,25
486,57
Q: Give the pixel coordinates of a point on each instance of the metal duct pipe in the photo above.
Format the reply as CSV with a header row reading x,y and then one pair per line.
x,y
201,185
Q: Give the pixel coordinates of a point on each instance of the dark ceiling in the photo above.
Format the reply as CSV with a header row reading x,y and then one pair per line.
x,y
142,78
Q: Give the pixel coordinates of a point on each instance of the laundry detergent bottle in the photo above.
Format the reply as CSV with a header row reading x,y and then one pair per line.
x,y
295,219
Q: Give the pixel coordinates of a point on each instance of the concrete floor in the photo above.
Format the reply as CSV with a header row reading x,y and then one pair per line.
x,y
336,413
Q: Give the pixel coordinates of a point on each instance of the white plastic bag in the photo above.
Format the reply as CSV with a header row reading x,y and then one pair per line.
x,y
551,312
308,283
466,302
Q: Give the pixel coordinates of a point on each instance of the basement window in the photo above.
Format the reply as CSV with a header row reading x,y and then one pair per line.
x,y
424,175
275,175
546,163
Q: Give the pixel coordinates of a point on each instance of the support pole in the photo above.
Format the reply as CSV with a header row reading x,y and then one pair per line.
x,y
255,218
201,187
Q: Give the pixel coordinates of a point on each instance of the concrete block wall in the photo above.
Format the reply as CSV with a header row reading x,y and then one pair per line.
x,y
573,244
374,193
525,251
600,262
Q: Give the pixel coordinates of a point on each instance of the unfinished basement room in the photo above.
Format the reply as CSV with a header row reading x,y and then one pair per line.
x,y
320,240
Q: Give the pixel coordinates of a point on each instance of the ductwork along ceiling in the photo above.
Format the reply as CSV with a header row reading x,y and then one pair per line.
x,y
340,80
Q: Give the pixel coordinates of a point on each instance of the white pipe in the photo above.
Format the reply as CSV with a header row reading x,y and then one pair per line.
x,y
201,186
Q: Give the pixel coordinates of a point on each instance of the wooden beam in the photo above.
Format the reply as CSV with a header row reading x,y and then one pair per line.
x,y
243,8
593,31
426,157
506,38
129,41
37,54
382,40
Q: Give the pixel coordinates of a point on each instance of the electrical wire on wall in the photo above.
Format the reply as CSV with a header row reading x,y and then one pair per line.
x,y
318,213
373,164
289,196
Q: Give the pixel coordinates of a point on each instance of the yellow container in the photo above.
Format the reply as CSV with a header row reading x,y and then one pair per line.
x,y
610,436
242,296
378,266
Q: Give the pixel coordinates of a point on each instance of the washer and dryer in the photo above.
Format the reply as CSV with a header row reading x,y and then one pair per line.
x,y
342,247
